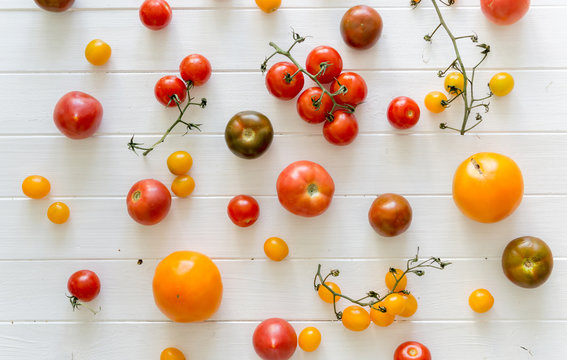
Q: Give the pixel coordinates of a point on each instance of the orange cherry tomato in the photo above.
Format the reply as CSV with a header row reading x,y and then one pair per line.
x,y
395,303
183,185
391,280
309,339
98,52
269,6
171,354
380,318
276,249
58,213
36,186
481,300
326,295
434,102
454,83
356,318
411,305
179,162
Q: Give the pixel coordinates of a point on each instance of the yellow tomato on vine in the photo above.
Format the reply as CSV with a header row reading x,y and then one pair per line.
x,y
381,318
326,295
411,305
454,83
355,318
391,280
434,102
395,303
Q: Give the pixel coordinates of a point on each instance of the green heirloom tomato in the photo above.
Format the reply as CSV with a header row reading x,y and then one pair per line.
x,y
248,134
527,261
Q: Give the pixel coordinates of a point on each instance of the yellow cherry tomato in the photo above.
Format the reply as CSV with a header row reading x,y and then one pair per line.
x,y
171,354
481,300
356,318
454,83
309,339
269,6
381,318
36,186
183,185
411,305
58,213
179,162
433,101
391,280
97,52
276,249
501,84
395,303
326,295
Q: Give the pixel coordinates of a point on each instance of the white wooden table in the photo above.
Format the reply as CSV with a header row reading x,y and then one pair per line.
x,y
41,58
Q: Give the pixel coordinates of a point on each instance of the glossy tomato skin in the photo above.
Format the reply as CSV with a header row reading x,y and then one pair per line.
x,y
412,350
148,201
504,12
77,115
277,84
168,86
307,110
195,68
342,130
390,215
55,5
155,14
361,27
249,134
274,339
527,261
320,55
84,285
187,286
356,86
243,210
403,113
305,188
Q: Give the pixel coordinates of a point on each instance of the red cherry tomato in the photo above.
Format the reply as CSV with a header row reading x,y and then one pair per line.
x,y
155,14
243,210
77,115
169,86
274,339
356,89
342,130
84,285
148,201
307,110
504,12
195,68
412,350
277,83
403,113
320,55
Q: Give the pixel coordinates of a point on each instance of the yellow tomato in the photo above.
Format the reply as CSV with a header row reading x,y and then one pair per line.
x,y
183,185
171,354
276,249
391,280
179,162
355,318
326,295
433,101
97,52
58,213
381,318
395,303
501,84
454,83
36,186
481,300
309,339
269,6
411,305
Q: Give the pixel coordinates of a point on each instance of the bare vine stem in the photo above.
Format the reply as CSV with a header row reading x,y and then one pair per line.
x,y
77,305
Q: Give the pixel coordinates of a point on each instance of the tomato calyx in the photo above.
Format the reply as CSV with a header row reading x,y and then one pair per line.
x,y
476,166
77,304
136,195
312,189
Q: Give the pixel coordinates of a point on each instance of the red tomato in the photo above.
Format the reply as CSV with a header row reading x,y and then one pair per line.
x,y
320,55
274,339
305,188
342,130
84,285
77,115
169,86
361,27
412,350
504,12
390,214
307,110
195,68
148,201
356,89
243,210
278,85
403,113
155,14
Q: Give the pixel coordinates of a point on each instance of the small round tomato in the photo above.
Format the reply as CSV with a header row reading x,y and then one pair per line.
x,y
276,249
380,318
179,162
390,215
169,87
84,285
326,295
504,12
249,134
527,261
342,130
36,186
395,303
411,305
434,102
324,54
148,202
394,275
403,113
155,14
356,89
269,6
280,83
309,339
501,84
274,339
58,213
412,350
171,354
97,52
361,27
454,83
481,300
77,115
55,5
183,185
195,68
306,105
243,210
355,318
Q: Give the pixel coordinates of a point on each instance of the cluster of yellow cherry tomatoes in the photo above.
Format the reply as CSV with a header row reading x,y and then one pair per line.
x,y
179,163
38,187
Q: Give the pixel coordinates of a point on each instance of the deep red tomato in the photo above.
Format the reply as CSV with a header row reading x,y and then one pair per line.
x,y
55,5
243,210
342,130
169,86
84,285
504,12
195,68
274,339
403,113
361,27
307,110
77,115
356,89
412,350
527,261
320,55
277,83
390,215
305,188
148,201
155,14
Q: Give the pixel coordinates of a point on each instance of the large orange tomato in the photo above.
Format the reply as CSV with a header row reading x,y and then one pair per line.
x,y
187,286
488,187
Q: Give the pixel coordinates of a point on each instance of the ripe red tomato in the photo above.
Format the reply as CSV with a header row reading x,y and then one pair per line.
x,y
243,210
195,68
169,86
77,115
155,14
84,285
356,89
274,339
527,261
305,188
55,5
361,27
320,55
403,113
342,130
307,110
412,350
148,201
504,12
390,215
277,83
